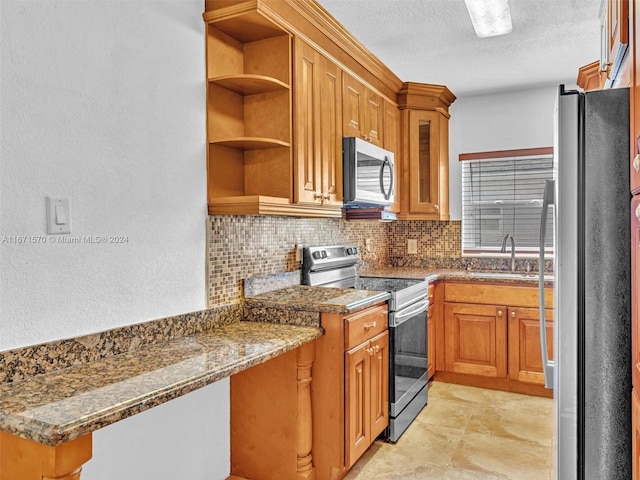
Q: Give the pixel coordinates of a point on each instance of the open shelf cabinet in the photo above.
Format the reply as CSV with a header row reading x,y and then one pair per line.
x,y
249,113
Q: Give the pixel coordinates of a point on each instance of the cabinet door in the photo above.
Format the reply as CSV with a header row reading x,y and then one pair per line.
x,y
357,402
330,135
318,133
353,107
431,341
525,361
373,117
363,111
307,97
392,143
428,165
379,384
476,339
635,432
634,97
635,289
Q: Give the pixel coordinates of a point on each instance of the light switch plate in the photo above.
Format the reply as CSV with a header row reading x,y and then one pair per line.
x,y
58,215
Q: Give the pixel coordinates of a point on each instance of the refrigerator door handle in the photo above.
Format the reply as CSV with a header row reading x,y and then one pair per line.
x,y
547,365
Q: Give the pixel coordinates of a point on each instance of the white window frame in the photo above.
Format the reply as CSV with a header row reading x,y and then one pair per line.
x,y
493,248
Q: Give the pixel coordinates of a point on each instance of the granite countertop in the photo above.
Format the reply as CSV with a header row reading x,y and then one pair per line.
x,y
432,274
317,299
57,407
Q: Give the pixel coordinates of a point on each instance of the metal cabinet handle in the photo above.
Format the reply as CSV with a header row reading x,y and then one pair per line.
x,y
638,212
436,207
369,351
499,313
636,163
513,314
376,348
317,196
369,326
326,196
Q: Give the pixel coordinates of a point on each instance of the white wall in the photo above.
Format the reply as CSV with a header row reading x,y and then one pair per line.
x,y
503,121
103,102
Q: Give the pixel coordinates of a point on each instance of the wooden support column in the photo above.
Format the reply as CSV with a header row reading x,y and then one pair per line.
x,y
306,470
22,459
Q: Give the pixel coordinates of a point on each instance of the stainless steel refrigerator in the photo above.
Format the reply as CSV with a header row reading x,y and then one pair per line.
x,y
591,369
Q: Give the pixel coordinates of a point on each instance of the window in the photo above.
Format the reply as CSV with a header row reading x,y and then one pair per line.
x,y
502,194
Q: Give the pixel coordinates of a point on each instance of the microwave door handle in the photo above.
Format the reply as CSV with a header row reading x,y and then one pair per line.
x,y
384,192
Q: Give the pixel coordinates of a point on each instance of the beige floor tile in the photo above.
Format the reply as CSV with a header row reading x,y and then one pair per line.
x,y
506,457
454,473
467,433
534,428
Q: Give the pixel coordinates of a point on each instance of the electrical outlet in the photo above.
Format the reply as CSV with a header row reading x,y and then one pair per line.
x,y
412,246
367,244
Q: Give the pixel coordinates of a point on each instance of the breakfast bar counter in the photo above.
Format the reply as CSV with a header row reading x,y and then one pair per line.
x,y
46,420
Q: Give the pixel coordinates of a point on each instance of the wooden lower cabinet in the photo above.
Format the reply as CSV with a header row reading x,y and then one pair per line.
x,y
476,339
635,439
483,342
367,395
525,361
350,389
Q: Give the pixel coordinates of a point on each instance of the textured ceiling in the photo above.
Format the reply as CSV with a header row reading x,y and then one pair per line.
x,y
433,41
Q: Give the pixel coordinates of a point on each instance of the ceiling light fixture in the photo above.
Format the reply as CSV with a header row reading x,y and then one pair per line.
x,y
490,18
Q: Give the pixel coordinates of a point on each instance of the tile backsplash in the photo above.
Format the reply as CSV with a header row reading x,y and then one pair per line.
x,y
241,246
436,239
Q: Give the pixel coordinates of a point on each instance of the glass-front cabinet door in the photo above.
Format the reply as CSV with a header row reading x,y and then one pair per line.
x,y
428,164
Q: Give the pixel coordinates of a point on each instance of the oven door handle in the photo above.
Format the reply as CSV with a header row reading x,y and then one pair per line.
x,y
405,314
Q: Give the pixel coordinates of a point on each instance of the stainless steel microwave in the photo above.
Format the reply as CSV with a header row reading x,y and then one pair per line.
x,y
367,173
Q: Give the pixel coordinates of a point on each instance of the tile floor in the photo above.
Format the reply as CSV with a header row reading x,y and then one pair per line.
x,y
468,433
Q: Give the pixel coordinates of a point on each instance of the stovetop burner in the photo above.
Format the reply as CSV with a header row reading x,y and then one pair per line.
x,y
335,266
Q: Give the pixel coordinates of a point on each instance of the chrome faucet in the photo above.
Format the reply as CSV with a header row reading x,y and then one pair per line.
x,y
513,250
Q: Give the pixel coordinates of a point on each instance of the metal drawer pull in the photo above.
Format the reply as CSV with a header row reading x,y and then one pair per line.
x,y
369,326
499,313
638,212
636,163
513,314
369,351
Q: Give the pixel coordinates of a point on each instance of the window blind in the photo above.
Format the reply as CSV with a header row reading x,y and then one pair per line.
x,y
503,196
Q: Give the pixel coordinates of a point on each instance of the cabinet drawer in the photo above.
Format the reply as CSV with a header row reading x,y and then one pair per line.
x,y
365,324
483,293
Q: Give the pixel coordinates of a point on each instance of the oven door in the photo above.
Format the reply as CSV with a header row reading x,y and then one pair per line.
x,y
408,354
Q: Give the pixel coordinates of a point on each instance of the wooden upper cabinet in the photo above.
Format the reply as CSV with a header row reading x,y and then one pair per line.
x,y
634,98
391,128
363,114
248,114
425,151
590,77
614,37
317,129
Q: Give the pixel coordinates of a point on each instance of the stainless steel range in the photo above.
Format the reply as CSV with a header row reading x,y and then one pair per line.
x,y
335,266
